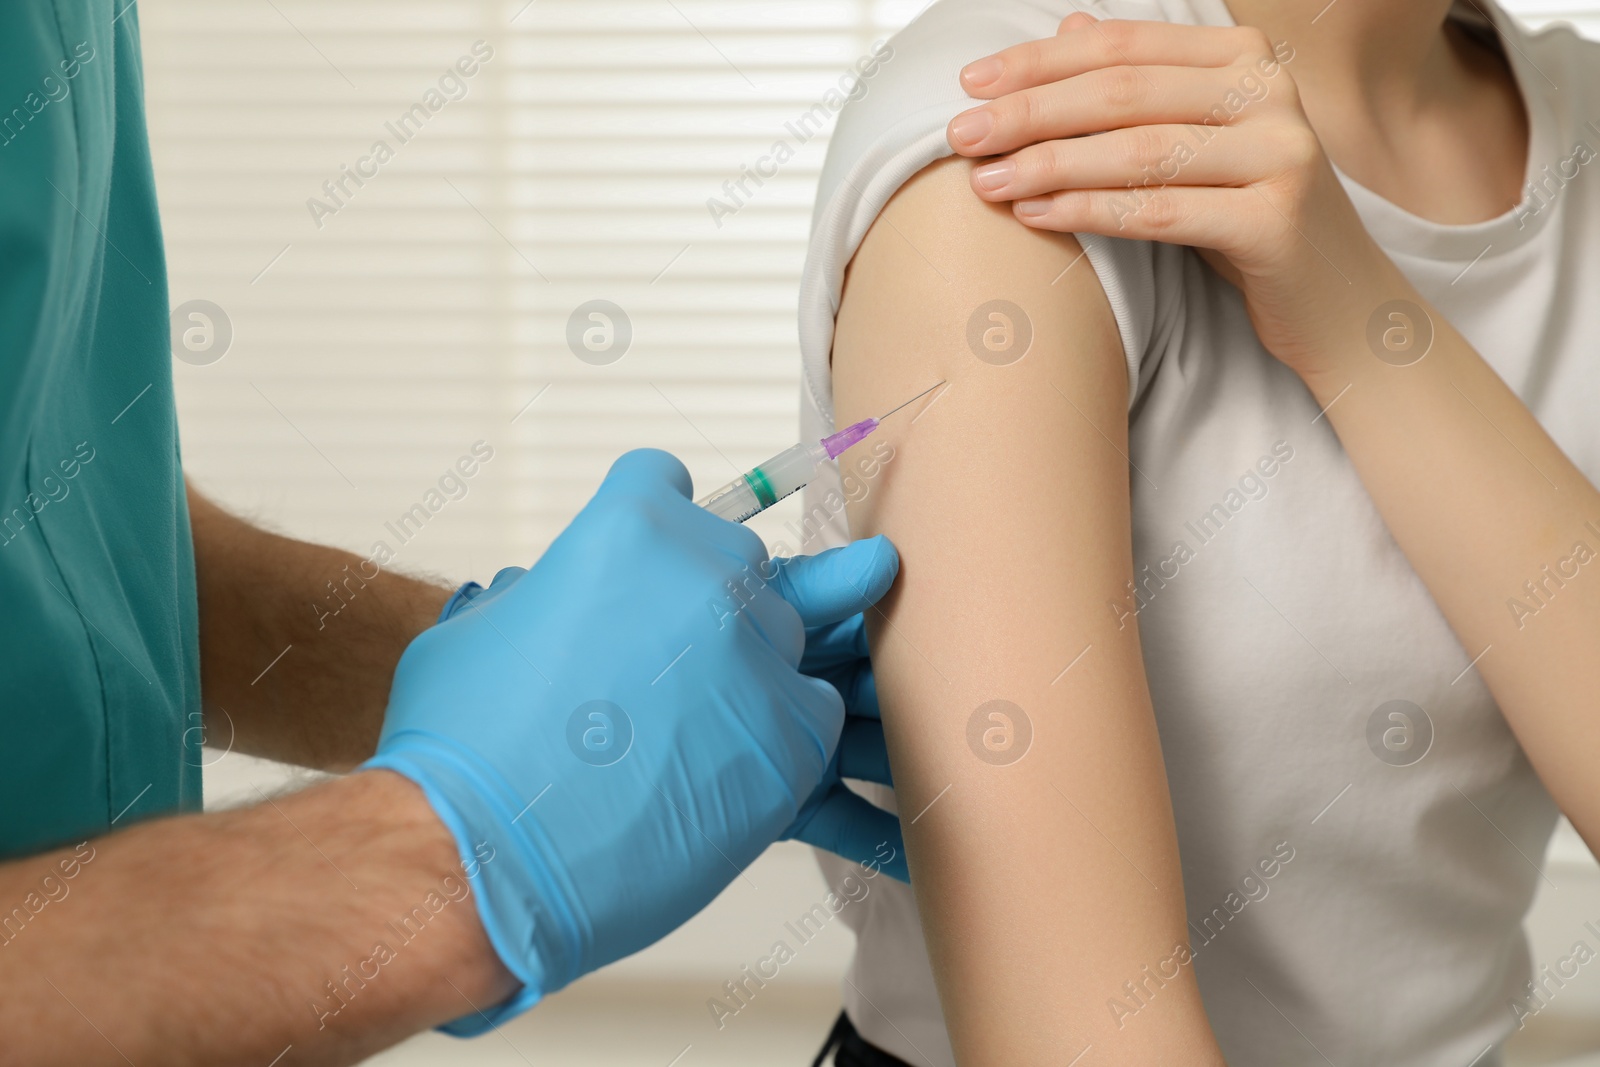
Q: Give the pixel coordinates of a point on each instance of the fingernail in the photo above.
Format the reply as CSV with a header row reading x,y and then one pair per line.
x,y
971,127
983,72
992,177
1032,208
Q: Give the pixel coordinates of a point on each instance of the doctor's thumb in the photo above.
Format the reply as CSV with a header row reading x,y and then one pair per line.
x,y
834,585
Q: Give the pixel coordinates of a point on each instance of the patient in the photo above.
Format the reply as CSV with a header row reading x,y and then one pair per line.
x,y
1231,486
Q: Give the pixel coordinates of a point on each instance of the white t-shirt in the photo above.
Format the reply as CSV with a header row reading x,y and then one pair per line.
x,y
1389,930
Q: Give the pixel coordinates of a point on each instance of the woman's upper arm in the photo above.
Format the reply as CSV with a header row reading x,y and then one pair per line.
x,y
1039,831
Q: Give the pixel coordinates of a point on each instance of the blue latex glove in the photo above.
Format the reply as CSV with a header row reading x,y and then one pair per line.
x,y
624,724
834,818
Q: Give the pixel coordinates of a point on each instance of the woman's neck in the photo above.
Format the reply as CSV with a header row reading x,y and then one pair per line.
x,y
1406,104
1359,47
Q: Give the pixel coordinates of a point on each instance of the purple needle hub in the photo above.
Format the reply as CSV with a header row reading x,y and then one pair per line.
x,y
836,443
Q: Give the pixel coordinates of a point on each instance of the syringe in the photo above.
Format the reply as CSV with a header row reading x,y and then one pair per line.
x,y
763,486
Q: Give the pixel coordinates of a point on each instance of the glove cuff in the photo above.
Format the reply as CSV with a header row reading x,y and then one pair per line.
x,y
465,592
516,896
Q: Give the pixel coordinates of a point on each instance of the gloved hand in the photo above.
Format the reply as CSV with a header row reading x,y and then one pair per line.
x,y
624,724
834,818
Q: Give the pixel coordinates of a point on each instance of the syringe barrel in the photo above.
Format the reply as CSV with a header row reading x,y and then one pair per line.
x,y
763,486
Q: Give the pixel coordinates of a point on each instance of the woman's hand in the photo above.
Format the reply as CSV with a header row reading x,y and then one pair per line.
x,y
1200,139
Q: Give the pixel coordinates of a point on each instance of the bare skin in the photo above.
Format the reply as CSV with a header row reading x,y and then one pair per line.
x,y
1383,93
321,704
993,602
210,939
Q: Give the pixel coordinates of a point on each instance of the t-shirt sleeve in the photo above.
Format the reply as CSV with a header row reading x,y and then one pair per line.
x,y
891,130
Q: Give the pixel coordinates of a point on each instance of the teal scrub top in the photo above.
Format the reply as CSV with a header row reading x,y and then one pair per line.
x,y
99,635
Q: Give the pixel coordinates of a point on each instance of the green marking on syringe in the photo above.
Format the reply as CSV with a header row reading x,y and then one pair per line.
x,y
761,487
756,479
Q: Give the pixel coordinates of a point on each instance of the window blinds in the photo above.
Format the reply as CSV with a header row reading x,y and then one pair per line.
x,y
404,209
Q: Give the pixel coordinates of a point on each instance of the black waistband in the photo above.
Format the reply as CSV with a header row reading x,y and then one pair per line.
x,y
851,1050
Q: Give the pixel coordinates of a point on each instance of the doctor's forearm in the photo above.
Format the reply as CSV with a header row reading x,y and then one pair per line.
x,y
298,642
229,938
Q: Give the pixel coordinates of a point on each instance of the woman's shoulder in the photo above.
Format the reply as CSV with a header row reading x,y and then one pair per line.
x,y
1564,62
1558,71
892,127
913,90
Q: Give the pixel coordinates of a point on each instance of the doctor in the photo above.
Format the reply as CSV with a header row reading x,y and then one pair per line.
x,y
552,772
